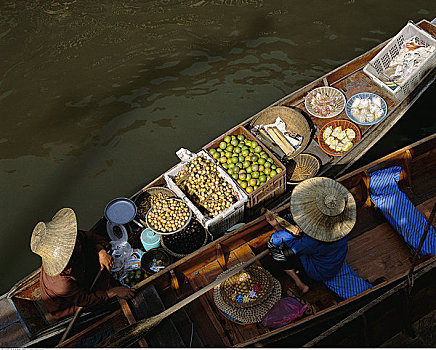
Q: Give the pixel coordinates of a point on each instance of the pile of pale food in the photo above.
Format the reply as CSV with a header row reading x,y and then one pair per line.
x,y
367,110
410,56
337,139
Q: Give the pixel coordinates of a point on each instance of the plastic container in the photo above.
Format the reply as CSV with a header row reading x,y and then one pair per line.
x,y
382,60
227,218
149,239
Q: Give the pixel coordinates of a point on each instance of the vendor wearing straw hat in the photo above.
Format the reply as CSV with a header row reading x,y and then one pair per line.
x,y
324,212
71,260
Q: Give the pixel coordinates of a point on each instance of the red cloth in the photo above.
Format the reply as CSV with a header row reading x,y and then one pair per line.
x,y
64,293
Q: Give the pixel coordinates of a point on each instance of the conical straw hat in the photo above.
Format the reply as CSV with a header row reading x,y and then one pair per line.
x,y
54,241
251,314
253,285
323,208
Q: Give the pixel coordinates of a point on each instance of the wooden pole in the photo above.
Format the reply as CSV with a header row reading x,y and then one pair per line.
x,y
418,249
78,311
132,333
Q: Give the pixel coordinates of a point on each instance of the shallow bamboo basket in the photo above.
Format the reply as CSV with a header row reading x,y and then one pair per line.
x,y
302,167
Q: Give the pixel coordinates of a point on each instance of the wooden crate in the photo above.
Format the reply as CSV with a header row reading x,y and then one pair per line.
x,y
273,187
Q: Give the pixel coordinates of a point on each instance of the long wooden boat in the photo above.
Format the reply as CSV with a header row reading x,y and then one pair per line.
x,y
377,253
25,322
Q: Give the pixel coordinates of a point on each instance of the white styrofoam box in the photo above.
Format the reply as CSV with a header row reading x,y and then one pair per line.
x,y
382,60
226,218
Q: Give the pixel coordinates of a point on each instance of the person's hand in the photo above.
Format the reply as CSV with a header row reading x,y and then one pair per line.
x,y
105,260
297,232
121,292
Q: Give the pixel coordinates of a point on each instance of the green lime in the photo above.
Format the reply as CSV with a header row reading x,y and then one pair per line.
x,y
234,142
248,177
267,165
246,164
236,169
273,173
270,160
279,170
261,161
241,158
267,171
258,149
255,167
255,187
223,145
244,184
235,176
237,149
233,137
254,158
248,169
228,154
264,156
240,137
239,164
249,189
225,165
242,176
230,170
247,143
274,167
229,148
255,174
261,168
244,152
248,158
216,155
254,144
127,280
262,178
212,151
252,182
227,139
223,159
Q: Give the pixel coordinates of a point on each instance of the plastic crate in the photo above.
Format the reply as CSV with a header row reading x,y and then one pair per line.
x,y
382,60
227,218
273,187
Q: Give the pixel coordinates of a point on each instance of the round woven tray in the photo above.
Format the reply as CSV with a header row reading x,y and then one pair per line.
x,y
302,167
153,191
178,255
331,92
294,120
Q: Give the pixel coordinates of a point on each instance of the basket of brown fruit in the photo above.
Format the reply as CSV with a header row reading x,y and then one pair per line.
x,y
168,216
186,241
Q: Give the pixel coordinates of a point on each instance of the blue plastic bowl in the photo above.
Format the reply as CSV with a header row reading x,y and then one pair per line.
x,y
149,239
366,95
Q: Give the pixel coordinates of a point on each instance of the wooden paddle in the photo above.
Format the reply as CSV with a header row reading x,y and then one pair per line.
x,y
134,332
78,311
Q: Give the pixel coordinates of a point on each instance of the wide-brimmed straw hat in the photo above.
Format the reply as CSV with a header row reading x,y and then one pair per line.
x,y
247,306
54,241
323,208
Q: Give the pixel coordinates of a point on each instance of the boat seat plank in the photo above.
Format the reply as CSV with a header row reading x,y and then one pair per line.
x,y
379,253
426,207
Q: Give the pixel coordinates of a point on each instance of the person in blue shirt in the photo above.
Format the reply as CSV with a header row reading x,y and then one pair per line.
x,y
324,212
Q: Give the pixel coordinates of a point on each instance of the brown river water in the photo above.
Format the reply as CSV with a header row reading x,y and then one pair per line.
x,y
96,96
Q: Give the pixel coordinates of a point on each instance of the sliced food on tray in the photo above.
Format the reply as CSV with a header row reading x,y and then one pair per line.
x,y
337,139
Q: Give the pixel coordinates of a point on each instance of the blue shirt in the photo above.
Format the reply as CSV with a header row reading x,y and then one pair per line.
x,y
321,260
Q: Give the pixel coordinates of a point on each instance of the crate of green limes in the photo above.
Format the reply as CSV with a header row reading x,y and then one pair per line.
x,y
251,165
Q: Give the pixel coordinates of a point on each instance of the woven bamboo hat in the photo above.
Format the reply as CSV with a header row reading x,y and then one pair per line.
x,y
323,208
54,241
251,312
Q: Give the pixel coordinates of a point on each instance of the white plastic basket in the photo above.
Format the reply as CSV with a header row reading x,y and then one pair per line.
x,y
227,218
382,60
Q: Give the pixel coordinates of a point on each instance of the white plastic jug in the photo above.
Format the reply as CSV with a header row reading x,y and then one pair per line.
x,y
110,231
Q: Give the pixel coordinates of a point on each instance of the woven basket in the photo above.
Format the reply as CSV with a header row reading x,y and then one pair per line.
x,y
302,167
251,279
179,255
331,92
295,122
152,191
